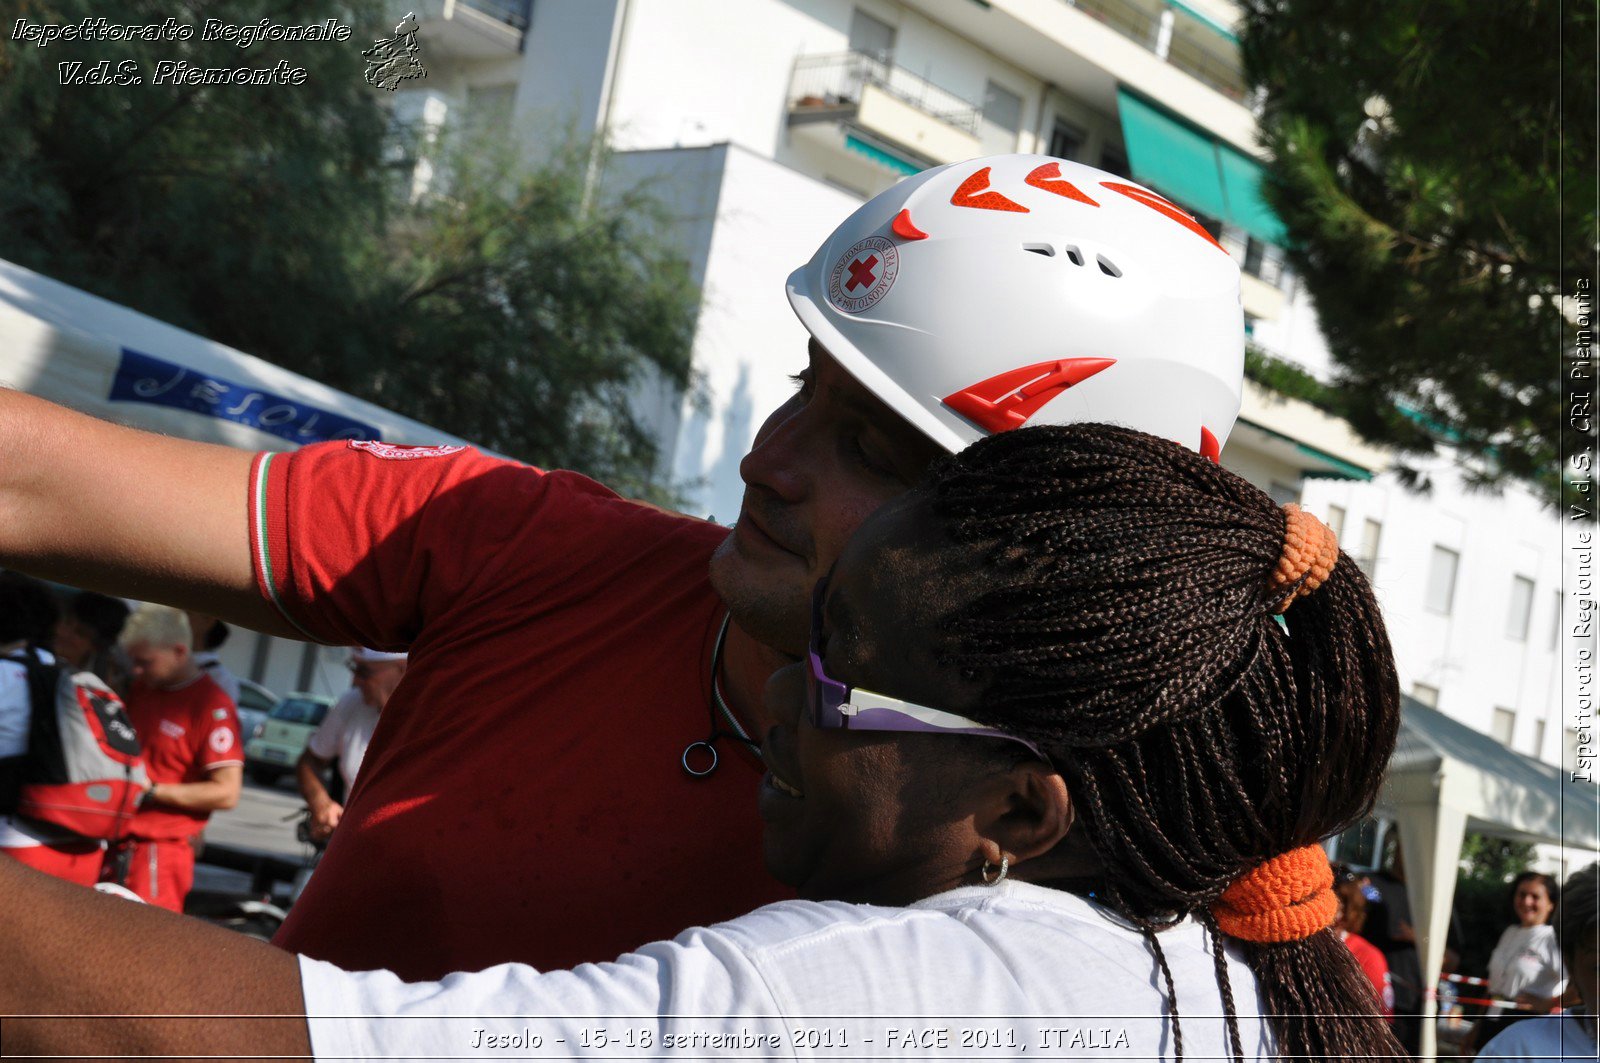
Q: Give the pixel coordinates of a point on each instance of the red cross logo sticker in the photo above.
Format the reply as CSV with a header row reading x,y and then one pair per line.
x,y
861,272
863,275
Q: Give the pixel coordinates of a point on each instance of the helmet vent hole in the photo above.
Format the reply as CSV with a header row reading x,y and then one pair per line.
x,y
1040,249
1108,267
1074,254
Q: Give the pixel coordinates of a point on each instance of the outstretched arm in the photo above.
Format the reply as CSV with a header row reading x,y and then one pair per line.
x,y
97,505
145,962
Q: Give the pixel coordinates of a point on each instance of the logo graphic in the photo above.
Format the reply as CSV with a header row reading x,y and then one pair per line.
x,y
152,381
392,60
172,730
399,452
221,740
863,275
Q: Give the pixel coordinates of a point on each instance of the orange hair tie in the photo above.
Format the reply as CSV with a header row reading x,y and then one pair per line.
x,y
1310,550
1288,898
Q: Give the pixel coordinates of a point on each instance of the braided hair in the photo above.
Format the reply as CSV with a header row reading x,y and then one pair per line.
x,y
1128,629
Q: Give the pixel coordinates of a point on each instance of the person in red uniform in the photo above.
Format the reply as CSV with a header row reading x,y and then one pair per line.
x,y
189,730
1350,922
564,774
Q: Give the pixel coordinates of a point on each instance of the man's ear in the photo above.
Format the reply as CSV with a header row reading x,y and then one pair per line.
x,y
1027,812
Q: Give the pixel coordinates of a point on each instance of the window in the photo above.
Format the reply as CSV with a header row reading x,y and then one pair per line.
x,y
1538,738
1555,619
1067,141
1442,580
1367,556
1264,260
1426,694
1114,161
1503,726
1283,493
1002,107
871,36
1336,520
1521,610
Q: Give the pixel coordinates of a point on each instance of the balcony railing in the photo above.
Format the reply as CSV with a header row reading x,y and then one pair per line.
x,y
513,13
1145,29
823,83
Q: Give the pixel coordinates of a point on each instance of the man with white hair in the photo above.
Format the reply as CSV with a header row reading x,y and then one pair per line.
x,y
340,741
189,729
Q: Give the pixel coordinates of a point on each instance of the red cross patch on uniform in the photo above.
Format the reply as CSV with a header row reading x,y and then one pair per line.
x,y
863,275
221,740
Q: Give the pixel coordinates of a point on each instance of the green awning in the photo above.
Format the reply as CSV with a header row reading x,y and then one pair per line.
x,y
1194,168
881,157
1175,159
1241,182
1204,19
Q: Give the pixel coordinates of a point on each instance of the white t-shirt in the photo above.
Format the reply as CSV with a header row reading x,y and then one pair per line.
x,y
1545,1037
344,733
1527,959
210,662
973,972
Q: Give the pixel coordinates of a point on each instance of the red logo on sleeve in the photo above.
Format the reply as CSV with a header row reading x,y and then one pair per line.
x,y
221,740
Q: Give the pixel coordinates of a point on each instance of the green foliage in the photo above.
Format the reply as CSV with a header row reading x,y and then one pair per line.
x,y
501,306
1433,163
1482,890
217,208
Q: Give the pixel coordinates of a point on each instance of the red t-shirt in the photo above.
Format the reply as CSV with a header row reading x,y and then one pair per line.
x,y
185,732
1376,969
523,797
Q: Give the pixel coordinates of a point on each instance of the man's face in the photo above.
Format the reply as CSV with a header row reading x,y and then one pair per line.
x,y
820,465
376,680
158,665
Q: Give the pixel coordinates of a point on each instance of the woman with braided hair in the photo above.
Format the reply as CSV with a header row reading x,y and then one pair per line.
x,y
1075,714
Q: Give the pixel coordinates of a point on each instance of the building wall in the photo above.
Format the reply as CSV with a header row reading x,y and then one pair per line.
x,y
1465,654
763,221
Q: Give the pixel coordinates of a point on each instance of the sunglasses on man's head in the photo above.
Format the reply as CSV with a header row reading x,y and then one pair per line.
x,y
835,706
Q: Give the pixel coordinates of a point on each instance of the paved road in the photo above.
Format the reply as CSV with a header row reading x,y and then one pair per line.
x,y
257,823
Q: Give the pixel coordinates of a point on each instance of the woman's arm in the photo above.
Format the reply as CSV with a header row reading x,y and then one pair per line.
x,y
167,985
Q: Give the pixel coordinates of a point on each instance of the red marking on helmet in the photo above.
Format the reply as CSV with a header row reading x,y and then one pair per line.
x,y
861,272
973,193
1171,210
904,229
1006,401
1048,177
1209,447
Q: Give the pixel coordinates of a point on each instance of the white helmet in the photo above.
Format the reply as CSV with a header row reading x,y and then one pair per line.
x,y
976,297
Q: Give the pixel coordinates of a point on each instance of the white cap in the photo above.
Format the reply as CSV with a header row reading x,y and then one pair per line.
x,y
367,655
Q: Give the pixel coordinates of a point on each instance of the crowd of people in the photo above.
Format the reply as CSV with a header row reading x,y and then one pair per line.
x,y
1001,697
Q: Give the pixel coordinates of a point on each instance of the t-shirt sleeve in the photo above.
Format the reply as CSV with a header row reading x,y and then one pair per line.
x,y
221,745
359,543
622,1006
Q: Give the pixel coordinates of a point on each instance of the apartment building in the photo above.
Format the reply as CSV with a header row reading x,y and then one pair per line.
x,y
762,123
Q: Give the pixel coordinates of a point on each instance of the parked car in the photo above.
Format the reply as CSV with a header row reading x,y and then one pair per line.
x,y
274,751
255,701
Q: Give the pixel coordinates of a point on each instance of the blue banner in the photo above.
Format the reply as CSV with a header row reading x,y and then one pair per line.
x,y
143,378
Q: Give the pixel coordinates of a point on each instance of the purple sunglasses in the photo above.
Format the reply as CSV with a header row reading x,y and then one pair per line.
x,y
832,705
